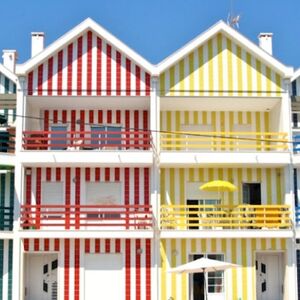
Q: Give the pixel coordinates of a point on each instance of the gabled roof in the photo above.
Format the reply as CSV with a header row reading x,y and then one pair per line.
x,y
222,27
87,24
7,73
296,75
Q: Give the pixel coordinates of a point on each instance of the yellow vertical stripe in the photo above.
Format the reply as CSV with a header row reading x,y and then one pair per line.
x,y
234,271
177,126
173,265
201,71
239,70
172,185
269,81
213,245
249,74
201,175
184,276
273,244
210,174
230,178
240,185
253,248
193,246
163,273
258,129
249,118
172,80
203,245
244,269
186,118
210,67
258,77
230,67
278,186
269,186
169,128
266,119
162,186
181,78
278,84
213,120
192,74
191,175
263,244
220,64
204,118
196,119
181,184
240,118
283,244
162,84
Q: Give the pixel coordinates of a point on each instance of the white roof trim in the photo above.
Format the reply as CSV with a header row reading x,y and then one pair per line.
x,y
296,75
234,35
7,73
87,24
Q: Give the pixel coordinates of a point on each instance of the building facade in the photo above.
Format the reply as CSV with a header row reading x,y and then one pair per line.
x,y
110,153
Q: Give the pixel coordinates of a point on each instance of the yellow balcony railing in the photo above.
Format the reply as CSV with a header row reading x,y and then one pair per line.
x,y
185,217
224,141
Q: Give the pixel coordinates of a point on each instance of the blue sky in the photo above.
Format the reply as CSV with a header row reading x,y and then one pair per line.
x,y
153,28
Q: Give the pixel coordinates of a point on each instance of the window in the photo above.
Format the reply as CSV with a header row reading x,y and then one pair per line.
x,y
110,135
198,128
252,193
58,137
53,194
103,193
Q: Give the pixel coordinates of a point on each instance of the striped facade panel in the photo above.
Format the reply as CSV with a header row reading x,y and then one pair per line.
x,y
127,119
174,183
220,67
239,283
7,191
134,183
7,86
137,266
6,265
89,66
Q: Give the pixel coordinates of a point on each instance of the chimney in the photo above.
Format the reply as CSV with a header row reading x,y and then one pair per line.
x,y
265,42
37,43
9,59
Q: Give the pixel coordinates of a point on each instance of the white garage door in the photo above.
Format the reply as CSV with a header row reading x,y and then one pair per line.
x,y
104,277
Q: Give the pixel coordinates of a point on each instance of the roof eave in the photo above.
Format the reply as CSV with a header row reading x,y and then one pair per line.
x,y
10,75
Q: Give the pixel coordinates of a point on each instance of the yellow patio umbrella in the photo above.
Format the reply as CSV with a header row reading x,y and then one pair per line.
x,y
218,186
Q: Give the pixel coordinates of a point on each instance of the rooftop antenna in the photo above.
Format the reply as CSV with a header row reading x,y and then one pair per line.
x,y
233,19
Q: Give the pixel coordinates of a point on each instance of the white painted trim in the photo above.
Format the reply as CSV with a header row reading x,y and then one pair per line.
x,y
87,24
7,73
222,27
296,75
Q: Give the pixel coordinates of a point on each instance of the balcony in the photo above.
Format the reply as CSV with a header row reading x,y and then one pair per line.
x,y
86,217
6,218
211,217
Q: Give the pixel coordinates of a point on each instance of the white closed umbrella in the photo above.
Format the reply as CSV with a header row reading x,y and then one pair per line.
x,y
203,265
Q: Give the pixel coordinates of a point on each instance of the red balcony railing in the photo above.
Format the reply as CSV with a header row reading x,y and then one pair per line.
x,y
86,216
86,140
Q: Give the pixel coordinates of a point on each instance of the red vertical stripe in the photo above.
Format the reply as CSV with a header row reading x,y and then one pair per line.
x,y
126,196
38,196
108,69
107,245
127,125
40,79
28,185
77,270
127,270
67,270
64,116
99,61
146,186
55,116
36,245
97,245
118,246
147,84
136,127
73,120
46,244
48,174
137,269
100,116
79,66
136,185
118,117
50,75
56,245
148,269
68,195
59,72
109,117
70,69
89,62
26,244
91,117
87,174
128,77
58,174
117,174
145,128
107,174
138,80
97,174
118,73
82,121
77,197
46,120
87,245
30,83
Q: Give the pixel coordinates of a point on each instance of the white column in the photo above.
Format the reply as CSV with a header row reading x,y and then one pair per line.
x,y
290,288
17,269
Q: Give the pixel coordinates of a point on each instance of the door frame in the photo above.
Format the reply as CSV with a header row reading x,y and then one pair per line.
x,y
25,269
282,255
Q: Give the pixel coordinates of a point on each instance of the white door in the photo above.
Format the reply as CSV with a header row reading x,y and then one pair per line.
x,y
104,277
269,276
41,277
